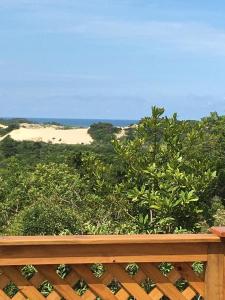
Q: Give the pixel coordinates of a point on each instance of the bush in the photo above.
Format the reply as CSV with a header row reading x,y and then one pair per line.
x,y
8,147
46,217
103,132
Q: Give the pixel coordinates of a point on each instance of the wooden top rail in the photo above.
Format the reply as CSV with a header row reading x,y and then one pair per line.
x,y
105,248
108,239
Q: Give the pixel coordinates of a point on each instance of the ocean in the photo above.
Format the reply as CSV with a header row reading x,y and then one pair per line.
x,y
81,122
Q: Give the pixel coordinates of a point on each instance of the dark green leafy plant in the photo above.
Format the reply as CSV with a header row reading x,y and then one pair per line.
x,y
103,132
167,175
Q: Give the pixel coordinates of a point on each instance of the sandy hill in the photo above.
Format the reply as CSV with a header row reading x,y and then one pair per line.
x,y
50,134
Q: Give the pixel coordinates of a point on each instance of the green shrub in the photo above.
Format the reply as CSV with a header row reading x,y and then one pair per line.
x,y
103,132
46,217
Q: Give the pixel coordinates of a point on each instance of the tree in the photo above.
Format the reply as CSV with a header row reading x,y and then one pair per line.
x,y
166,177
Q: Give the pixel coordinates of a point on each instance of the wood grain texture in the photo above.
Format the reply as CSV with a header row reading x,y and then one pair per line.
x,y
103,253
129,285
114,253
108,239
214,279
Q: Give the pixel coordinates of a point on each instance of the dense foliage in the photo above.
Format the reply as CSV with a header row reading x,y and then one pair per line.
x,y
166,175
103,132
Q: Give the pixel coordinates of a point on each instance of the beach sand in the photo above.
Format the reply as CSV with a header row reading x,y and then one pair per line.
x,y
51,134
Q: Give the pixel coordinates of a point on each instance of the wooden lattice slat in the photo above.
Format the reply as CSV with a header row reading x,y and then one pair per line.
x,y
99,285
22,283
196,282
60,285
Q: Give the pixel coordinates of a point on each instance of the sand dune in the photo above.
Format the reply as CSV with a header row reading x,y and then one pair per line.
x,y
51,134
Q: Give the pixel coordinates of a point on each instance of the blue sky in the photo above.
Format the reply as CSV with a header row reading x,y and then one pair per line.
x,y
111,58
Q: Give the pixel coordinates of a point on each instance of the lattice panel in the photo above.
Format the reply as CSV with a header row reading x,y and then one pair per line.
x,y
145,281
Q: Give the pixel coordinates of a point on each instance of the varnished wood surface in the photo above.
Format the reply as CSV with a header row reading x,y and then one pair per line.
x,y
219,231
115,252
108,239
99,286
77,254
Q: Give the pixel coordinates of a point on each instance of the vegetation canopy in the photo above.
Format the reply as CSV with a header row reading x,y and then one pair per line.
x,y
165,175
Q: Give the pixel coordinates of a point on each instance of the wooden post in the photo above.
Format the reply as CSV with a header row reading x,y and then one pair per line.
x,y
215,271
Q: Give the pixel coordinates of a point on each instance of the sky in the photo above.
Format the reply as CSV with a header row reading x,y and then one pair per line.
x,y
111,59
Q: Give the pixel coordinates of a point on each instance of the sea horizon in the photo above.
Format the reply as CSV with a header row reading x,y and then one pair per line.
x,y
79,122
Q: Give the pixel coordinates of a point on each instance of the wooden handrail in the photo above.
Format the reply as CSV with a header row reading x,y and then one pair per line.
x,y
115,253
108,239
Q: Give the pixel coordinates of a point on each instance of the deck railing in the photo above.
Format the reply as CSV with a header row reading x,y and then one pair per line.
x,y
143,267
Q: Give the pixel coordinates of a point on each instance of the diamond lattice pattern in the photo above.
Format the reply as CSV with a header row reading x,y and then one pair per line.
x,y
143,281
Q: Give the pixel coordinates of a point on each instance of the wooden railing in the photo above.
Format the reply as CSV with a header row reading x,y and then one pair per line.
x,y
143,267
